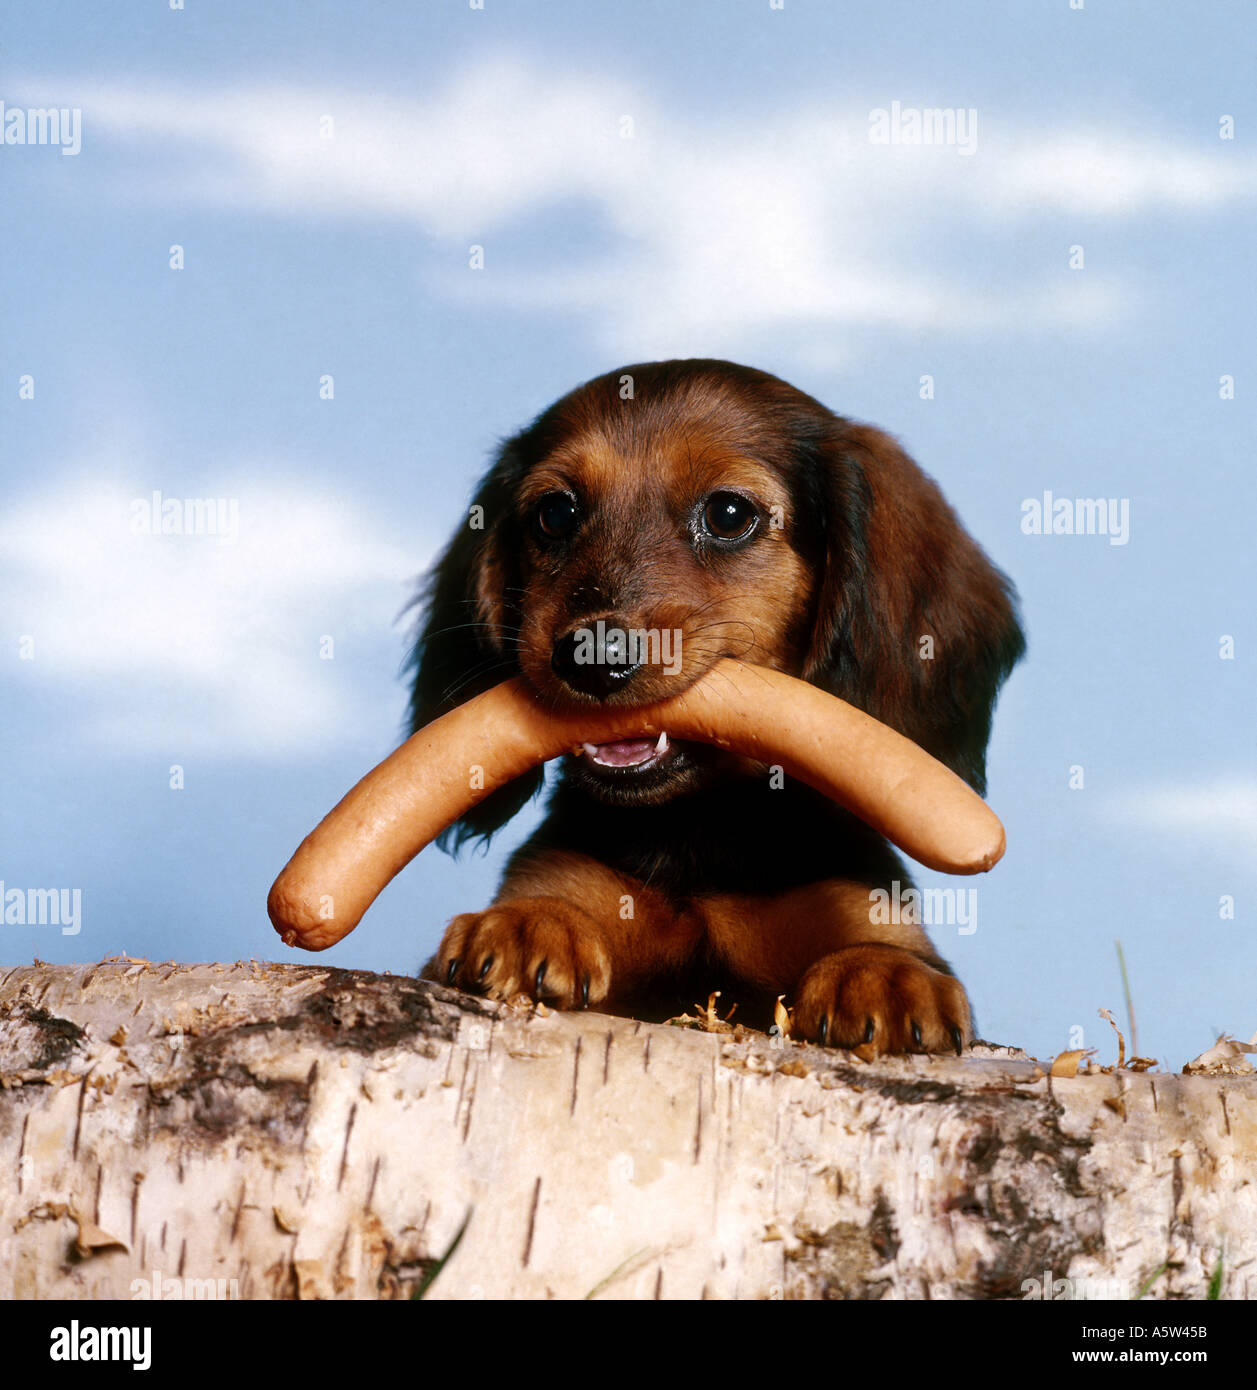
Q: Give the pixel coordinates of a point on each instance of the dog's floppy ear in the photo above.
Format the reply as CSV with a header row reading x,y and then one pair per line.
x,y
468,631
914,624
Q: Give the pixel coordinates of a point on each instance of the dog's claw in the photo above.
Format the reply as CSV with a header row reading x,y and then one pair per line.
x,y
958,1040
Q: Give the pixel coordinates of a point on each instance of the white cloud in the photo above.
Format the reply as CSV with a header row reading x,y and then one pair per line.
x,y
788,220
1120,177
1217,814
189,645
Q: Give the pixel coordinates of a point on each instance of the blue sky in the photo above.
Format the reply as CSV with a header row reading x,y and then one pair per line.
x,y
749,216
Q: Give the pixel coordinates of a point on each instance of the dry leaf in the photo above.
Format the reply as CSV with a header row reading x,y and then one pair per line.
x,y
1067,1063
794,1068
1121,1041
91,1238
706,1017
286,1221
1224,1058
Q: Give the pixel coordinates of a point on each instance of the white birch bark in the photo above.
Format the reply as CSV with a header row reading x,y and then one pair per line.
x,y
318,1133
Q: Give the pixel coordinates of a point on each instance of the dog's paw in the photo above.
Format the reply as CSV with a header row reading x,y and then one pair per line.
x,y
544,948
883,997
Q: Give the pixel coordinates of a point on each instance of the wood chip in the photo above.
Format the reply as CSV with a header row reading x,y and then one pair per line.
x,y
91,1238
1067,1063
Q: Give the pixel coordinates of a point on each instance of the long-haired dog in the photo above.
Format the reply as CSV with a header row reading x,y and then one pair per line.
x,y
724,513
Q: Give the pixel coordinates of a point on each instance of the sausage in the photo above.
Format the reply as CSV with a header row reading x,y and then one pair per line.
x,y
448,766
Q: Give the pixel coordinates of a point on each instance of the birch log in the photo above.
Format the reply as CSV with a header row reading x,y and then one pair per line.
x,y
310,1132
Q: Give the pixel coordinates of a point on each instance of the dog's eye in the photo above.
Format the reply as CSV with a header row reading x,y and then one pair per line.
x,y
729,516
556,514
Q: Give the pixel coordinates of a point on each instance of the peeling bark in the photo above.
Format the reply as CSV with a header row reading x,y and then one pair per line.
x,y
318,1133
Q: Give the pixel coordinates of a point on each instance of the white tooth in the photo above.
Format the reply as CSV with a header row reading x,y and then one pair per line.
x,y
662,746
591,749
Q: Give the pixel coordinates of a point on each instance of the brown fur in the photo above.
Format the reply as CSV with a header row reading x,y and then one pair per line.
x,y
642,891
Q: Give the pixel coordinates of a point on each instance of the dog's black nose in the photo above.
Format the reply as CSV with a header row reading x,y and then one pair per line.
x,y
595,659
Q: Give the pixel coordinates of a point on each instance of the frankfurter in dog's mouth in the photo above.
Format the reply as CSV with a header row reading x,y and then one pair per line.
x,y
450,765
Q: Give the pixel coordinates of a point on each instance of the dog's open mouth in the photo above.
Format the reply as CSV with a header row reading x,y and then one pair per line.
x,y
629,752
641,771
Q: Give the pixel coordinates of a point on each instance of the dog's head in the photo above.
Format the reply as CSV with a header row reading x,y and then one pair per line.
x,y
671,513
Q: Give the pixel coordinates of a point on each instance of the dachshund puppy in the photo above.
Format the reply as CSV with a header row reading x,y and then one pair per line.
x,y
714,511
